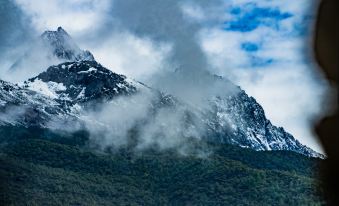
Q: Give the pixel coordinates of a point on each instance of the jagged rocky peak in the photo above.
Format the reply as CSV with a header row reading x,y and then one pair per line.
x,y
64,47
51,48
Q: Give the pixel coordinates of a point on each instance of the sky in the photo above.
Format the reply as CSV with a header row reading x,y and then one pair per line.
x,y
261,45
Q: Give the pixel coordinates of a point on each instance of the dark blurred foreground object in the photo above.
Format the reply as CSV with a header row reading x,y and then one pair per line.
x,y
327,56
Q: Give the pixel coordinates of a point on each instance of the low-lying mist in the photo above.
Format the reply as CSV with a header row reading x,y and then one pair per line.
x,y
144,121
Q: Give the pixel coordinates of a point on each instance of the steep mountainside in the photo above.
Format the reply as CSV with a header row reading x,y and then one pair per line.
x,y
238,119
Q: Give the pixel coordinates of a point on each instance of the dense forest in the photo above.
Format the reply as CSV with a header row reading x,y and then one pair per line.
x,y
39,167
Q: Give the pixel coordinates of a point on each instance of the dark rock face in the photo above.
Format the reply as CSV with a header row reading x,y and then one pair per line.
x,y
84,81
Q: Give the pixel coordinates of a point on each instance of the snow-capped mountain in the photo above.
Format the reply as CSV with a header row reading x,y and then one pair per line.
x,y
234,118
69,88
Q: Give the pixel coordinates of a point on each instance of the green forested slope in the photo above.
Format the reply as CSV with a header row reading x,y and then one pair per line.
x,y
37,171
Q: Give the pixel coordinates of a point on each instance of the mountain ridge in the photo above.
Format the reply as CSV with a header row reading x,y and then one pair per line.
x,y
236,119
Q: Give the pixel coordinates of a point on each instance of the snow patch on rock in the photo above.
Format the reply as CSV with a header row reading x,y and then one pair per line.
x,y
49,89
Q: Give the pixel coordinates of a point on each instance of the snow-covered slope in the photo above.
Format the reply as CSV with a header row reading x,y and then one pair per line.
x,y
26,107
239,119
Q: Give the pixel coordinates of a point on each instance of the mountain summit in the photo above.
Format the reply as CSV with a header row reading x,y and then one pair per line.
x,y
63,46
51,48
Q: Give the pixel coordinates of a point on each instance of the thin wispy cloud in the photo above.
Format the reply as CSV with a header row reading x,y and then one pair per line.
x,y
74,15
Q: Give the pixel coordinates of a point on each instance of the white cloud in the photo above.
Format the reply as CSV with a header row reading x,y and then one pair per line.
x,y
73,15
127,54
194,12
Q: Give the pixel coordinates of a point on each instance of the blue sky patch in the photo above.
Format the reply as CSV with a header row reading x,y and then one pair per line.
x,y
250,47
250,17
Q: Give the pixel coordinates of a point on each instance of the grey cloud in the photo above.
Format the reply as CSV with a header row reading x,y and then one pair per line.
x,y
165,22
15,31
